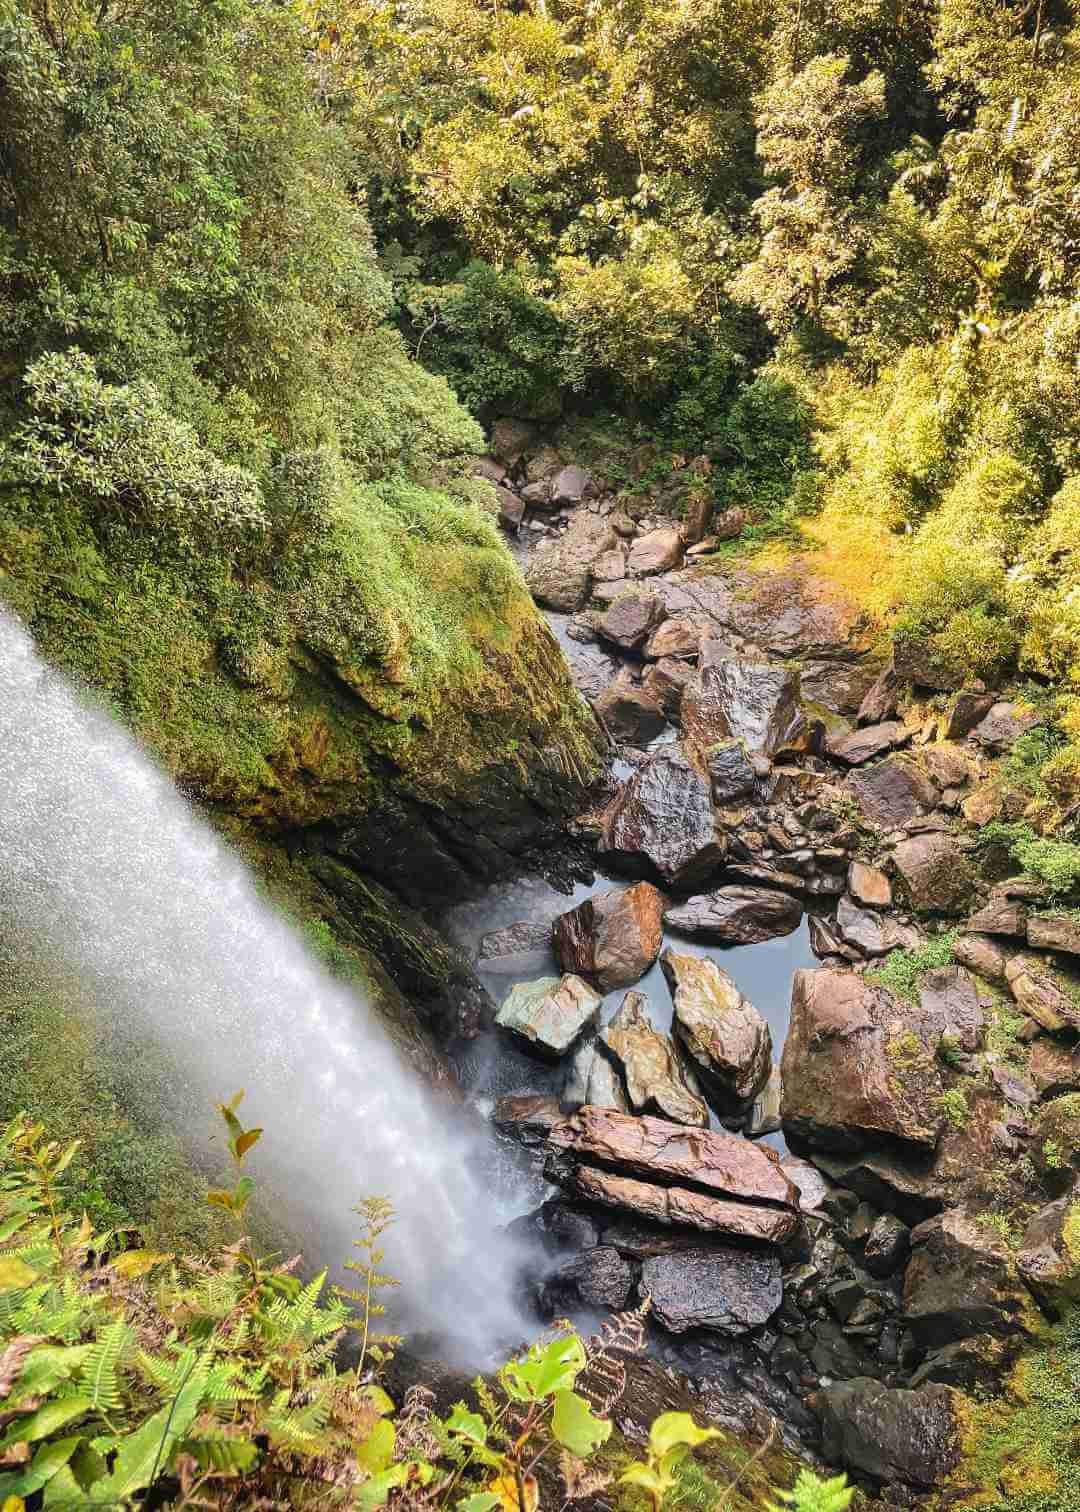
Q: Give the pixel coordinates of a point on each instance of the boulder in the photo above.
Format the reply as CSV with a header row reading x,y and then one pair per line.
x,y
1053,931
918,661
559,571
859,746
654,1079
736,915
680,636
880,699
726,1039
610,567
852,1071
1000,916
629,713
890,1433
1002,726
665,681
1056,1146
949,1000
764,1115
935,872
570,485
591,1078
983,955
839,686
731,1291
698,515
1049,1257
511,440
947,764
962,1280
813,1187
674,1206
870,932
887,1245
612,938
732,697
630,618
984,804
967,709
657,551
662,818
511,508
514,947
1046,992
869,885
728,524
549,1014
1054,1067
597,1277
892,792
732,771
529,1119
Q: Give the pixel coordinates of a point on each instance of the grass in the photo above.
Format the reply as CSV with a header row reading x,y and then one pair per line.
x,y
903,970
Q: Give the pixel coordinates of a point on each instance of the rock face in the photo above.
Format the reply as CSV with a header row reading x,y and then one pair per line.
x,y
937,875
550,1013
893,792
612,939
734,698
559,572
728,1290
736,915
851,1070
629,712
654,1079
892,1434
732,771
628,621
657,551
665,681
726,1039
505,949
662,819
677,1207
961,1280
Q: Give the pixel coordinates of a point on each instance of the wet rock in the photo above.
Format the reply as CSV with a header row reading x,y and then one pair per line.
x,y
837,686
869,885
890,1433
680,637
1049,1258
629,713
549,1014
591,1078
812,1186
630,619
732,771
892,792
871,933
735,698
826,941
666,681
529,1118
736,915
880,699
1047,993
657,551
568,1227
612,938
728,1290
1000,916
570,485
950,1003
1002,726
935,872
851,1070
674,1206
973,1365
662,818
654,1079
592,670
887,1245
724,1036
512,948
919,662
597,1277
1054,1067
961,1280
764,1116
1053,931
559,571
863,745
983,955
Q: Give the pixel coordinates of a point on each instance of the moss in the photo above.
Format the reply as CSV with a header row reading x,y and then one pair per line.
x,y
903,970
954,1105
904,1049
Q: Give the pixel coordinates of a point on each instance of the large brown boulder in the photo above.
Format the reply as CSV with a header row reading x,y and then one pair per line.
x,y
549,1014
728,1290
658,551
736,915
892,792
559,572
630,619
1000,916
936,873
962,1280
654,1078
629,712
733,697
662,820
853,1070
890,1433
673,1206
724,1036
612,938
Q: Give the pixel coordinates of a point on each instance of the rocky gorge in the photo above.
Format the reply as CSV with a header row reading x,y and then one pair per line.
x,y
863,1222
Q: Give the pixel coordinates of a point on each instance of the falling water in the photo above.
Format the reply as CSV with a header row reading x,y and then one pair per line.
x,y
114,877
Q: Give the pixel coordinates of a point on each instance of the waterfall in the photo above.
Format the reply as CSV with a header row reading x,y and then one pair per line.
x,y
115,878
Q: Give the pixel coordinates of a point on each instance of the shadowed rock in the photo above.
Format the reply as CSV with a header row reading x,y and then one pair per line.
x,y
731,1291
732,771
890,1433
591,1078
968,708
612,938
726,1039
962,1280
736,915
629,712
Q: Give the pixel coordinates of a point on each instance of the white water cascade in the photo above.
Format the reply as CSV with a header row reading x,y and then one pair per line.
x,y
115,879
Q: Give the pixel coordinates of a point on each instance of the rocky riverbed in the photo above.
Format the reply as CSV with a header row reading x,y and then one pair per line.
x,y
777,781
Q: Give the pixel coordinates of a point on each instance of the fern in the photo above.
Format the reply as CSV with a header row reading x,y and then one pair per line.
x,y
812,1494
100,1377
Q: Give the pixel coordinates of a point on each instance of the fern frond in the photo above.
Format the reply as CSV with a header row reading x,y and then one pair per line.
x,y
99,1376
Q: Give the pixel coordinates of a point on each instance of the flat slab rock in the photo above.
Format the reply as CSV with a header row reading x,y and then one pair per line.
x,y
736,915
549,1014
612,938
863,745
727,1290
674,1207
853,1068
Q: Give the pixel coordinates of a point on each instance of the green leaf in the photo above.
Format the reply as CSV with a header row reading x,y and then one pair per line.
x,y
376,1491
469,1425
641,1475
139,1262
480,1501
575,1426
672,1428
545,1370
15,1273
378,1398
377,1450
46,1420
221,1452
142,1455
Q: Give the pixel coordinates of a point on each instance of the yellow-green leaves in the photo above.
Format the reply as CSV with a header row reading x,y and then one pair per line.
x,y
672,1429
545,1370
671,1439
575,1425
